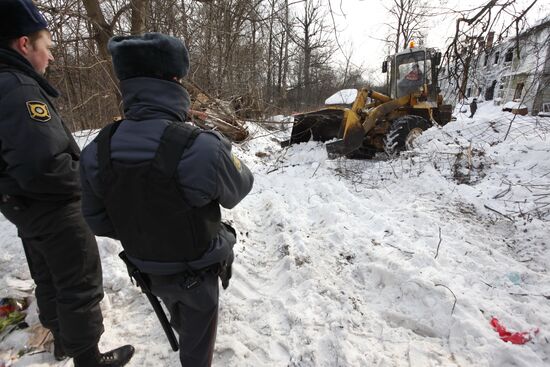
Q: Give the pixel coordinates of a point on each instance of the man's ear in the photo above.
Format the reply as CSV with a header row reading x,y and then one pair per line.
x,y
22,45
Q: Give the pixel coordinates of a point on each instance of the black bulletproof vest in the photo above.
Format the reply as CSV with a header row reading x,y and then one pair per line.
x,y
144,202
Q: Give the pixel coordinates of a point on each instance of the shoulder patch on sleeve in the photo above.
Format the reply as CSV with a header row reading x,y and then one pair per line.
x,y
38,111
236,162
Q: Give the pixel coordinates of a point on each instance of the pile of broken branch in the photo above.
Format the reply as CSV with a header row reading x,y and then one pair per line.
x,y
210,113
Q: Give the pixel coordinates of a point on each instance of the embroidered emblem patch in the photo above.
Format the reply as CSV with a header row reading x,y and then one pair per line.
x,y
236,162
39,111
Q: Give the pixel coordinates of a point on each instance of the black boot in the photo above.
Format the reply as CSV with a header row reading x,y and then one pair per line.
x,y
115,358
58,350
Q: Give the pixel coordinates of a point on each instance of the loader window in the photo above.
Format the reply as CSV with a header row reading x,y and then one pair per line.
x,y
411,73
428,74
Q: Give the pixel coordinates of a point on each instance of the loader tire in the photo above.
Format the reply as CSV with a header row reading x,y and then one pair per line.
x,y
403,132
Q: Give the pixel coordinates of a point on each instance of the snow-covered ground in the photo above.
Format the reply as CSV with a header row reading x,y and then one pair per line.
x,y
398,262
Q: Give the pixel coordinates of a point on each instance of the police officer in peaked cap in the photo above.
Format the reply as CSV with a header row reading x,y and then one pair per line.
x,y
40,192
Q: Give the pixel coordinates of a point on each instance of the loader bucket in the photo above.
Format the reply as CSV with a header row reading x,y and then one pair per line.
x,y
319,125
353,130
352,137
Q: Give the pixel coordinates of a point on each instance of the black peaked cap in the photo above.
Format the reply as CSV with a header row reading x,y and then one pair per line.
x,y
19,18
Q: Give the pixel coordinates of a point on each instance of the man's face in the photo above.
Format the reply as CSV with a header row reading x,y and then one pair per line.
x,y
39,52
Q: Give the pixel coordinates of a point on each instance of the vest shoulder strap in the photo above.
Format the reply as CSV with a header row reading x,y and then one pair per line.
x,y
177,137
103,142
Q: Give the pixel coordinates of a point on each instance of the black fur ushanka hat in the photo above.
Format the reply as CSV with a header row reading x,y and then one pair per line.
x,y
153,55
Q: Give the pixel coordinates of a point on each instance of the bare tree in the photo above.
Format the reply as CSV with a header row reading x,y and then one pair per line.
x,y
313,40
408,22
261,55
474,27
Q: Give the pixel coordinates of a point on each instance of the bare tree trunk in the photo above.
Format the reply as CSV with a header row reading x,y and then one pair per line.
x,y
270,53
103,30
139,13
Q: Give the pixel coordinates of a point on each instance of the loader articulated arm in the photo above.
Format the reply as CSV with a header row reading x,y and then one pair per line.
x,y
379,96
378,113
355,127
352,117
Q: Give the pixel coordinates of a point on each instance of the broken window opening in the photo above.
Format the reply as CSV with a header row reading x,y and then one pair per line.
x,y
519,89
509,55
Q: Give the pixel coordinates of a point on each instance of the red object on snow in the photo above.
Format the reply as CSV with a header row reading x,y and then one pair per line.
x,y
6,309
520,337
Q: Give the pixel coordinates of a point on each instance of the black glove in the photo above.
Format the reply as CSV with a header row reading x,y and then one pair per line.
x,y
225,268
225,272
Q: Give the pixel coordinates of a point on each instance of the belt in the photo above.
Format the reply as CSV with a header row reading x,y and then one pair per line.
x,y
18,204
188,275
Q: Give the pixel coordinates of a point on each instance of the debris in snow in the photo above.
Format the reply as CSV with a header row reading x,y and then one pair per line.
x,y
515,107
12,312
469,165
211,113
520,337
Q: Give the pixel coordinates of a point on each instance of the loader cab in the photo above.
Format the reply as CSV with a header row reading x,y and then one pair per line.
x,y
412,71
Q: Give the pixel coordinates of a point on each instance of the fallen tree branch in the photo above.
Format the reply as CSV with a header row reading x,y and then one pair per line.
x,y
496,211
531,295
403,251
439,244
454,304
210,113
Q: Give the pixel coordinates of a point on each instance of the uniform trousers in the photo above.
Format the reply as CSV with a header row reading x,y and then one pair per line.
x,y
64,263
193,314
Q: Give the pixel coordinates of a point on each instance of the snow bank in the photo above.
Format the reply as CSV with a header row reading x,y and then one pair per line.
x,y
344,96
512,105
397,262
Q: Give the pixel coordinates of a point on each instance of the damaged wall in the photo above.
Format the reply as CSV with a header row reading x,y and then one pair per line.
x,y
517,69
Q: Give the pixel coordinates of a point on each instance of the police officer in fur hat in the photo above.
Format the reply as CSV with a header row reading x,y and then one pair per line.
x,y
40,192
156,184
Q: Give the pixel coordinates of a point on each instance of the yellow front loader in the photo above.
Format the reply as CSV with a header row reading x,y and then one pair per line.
x,y
382,122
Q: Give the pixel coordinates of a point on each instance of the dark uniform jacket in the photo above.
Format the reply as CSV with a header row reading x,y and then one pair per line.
x,y
473,107
38,155
207,171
